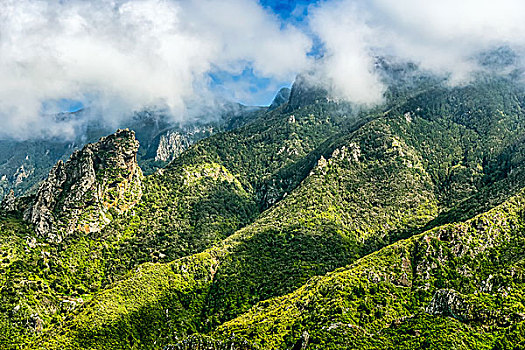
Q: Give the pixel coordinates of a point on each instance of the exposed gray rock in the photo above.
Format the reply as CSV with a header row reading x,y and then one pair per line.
x,y
9,202
174,142
41,212
448,302
101,180
13,204
21,174
171,145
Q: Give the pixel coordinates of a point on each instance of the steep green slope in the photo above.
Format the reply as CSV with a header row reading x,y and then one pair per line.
x,y
46,278
459,285
212,190
313,230
47,269
338,186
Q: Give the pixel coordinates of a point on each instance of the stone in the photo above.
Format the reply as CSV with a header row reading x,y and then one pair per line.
x,y
448,302
100,180
9,202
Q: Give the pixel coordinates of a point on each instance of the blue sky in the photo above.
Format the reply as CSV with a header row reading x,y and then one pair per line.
x,y
289,10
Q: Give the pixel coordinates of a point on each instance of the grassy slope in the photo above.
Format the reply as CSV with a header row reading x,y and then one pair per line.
x,y
380,300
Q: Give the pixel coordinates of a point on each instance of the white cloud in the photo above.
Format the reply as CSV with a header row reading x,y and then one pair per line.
x,y
348,40
122,55
441,36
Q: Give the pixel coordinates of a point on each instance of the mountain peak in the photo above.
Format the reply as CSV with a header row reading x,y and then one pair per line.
x,y
99,181
281,98
305,91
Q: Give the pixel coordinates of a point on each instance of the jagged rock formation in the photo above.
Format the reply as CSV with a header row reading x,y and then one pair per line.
x,y
99,181
171,145
24,164
174,142
447,302
20,175
9,202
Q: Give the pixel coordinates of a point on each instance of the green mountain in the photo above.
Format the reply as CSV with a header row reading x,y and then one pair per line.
x,y
314,225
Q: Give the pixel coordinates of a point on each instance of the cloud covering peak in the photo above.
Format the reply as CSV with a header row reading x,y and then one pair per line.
x,y
445,37
118,56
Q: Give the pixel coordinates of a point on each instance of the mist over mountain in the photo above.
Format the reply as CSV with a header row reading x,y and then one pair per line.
x,y
24,163
121,57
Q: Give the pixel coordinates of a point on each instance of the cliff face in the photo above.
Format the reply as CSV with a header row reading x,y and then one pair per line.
x,y
174,142
99,181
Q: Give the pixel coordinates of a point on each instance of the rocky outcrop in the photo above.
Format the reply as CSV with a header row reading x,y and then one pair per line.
x,y
173,142
15,205
171,145
448,302
20,175
9,202
99,181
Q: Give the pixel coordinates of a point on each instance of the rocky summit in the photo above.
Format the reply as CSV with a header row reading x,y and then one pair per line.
x,y
98,182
